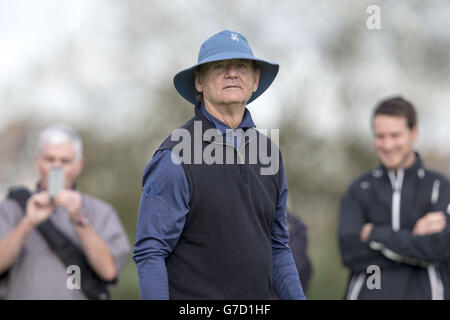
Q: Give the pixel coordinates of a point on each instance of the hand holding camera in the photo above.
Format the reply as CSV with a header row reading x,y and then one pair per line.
x,y
65,198
39,208
41,205
69,200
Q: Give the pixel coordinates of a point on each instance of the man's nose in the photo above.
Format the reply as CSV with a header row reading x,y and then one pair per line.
x,y
232,70
57,163
388,145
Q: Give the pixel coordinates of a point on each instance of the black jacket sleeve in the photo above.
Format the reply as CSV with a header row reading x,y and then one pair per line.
x,y
356,254
403,246
298,241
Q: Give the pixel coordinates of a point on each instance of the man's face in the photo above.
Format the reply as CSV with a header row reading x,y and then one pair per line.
x,y
393,141
227,82
63,155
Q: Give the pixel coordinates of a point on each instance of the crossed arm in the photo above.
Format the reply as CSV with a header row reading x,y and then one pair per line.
x,y
427,243
363,244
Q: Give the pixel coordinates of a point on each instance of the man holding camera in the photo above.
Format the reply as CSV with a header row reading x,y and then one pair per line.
x,y
56,229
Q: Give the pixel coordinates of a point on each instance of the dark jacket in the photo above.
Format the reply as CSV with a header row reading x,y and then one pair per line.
x,y
411,267
298,241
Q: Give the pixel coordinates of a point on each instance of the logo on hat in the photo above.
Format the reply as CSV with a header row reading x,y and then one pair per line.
x,y
234,37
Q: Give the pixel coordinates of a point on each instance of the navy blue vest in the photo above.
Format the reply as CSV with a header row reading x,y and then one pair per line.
x,y
224,251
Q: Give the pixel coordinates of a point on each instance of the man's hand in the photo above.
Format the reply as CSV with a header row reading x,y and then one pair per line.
x,y
39,208
365,231
69,200
430,223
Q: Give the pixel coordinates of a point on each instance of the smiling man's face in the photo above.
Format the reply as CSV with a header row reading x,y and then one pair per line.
x,y
227,82
393,141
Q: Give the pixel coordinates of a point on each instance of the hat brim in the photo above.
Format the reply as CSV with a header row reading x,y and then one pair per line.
x,y
184,80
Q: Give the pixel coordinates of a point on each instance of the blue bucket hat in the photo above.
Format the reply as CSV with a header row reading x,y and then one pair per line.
x,y
225,45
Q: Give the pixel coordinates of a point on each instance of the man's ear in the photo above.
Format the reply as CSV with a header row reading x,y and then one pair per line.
x,y
198,81
80,166
36,163
415,132
256,76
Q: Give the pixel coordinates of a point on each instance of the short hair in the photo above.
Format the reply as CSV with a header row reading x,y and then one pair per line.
x,y
60,133
397,107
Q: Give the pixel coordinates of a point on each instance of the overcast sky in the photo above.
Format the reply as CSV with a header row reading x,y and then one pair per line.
x,y
33,32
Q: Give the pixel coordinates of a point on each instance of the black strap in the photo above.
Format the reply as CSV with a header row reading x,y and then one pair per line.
x,y
92,286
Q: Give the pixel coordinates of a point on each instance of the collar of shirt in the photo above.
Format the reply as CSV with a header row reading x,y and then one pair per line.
x,y
232,136
415,167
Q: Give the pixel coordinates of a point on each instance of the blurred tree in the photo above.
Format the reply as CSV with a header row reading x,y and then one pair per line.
x,y
115,77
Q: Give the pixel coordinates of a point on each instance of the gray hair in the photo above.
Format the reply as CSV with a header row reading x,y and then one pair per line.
x,y
60,133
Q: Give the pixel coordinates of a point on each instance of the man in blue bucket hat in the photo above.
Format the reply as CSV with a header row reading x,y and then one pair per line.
x,y
212,216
